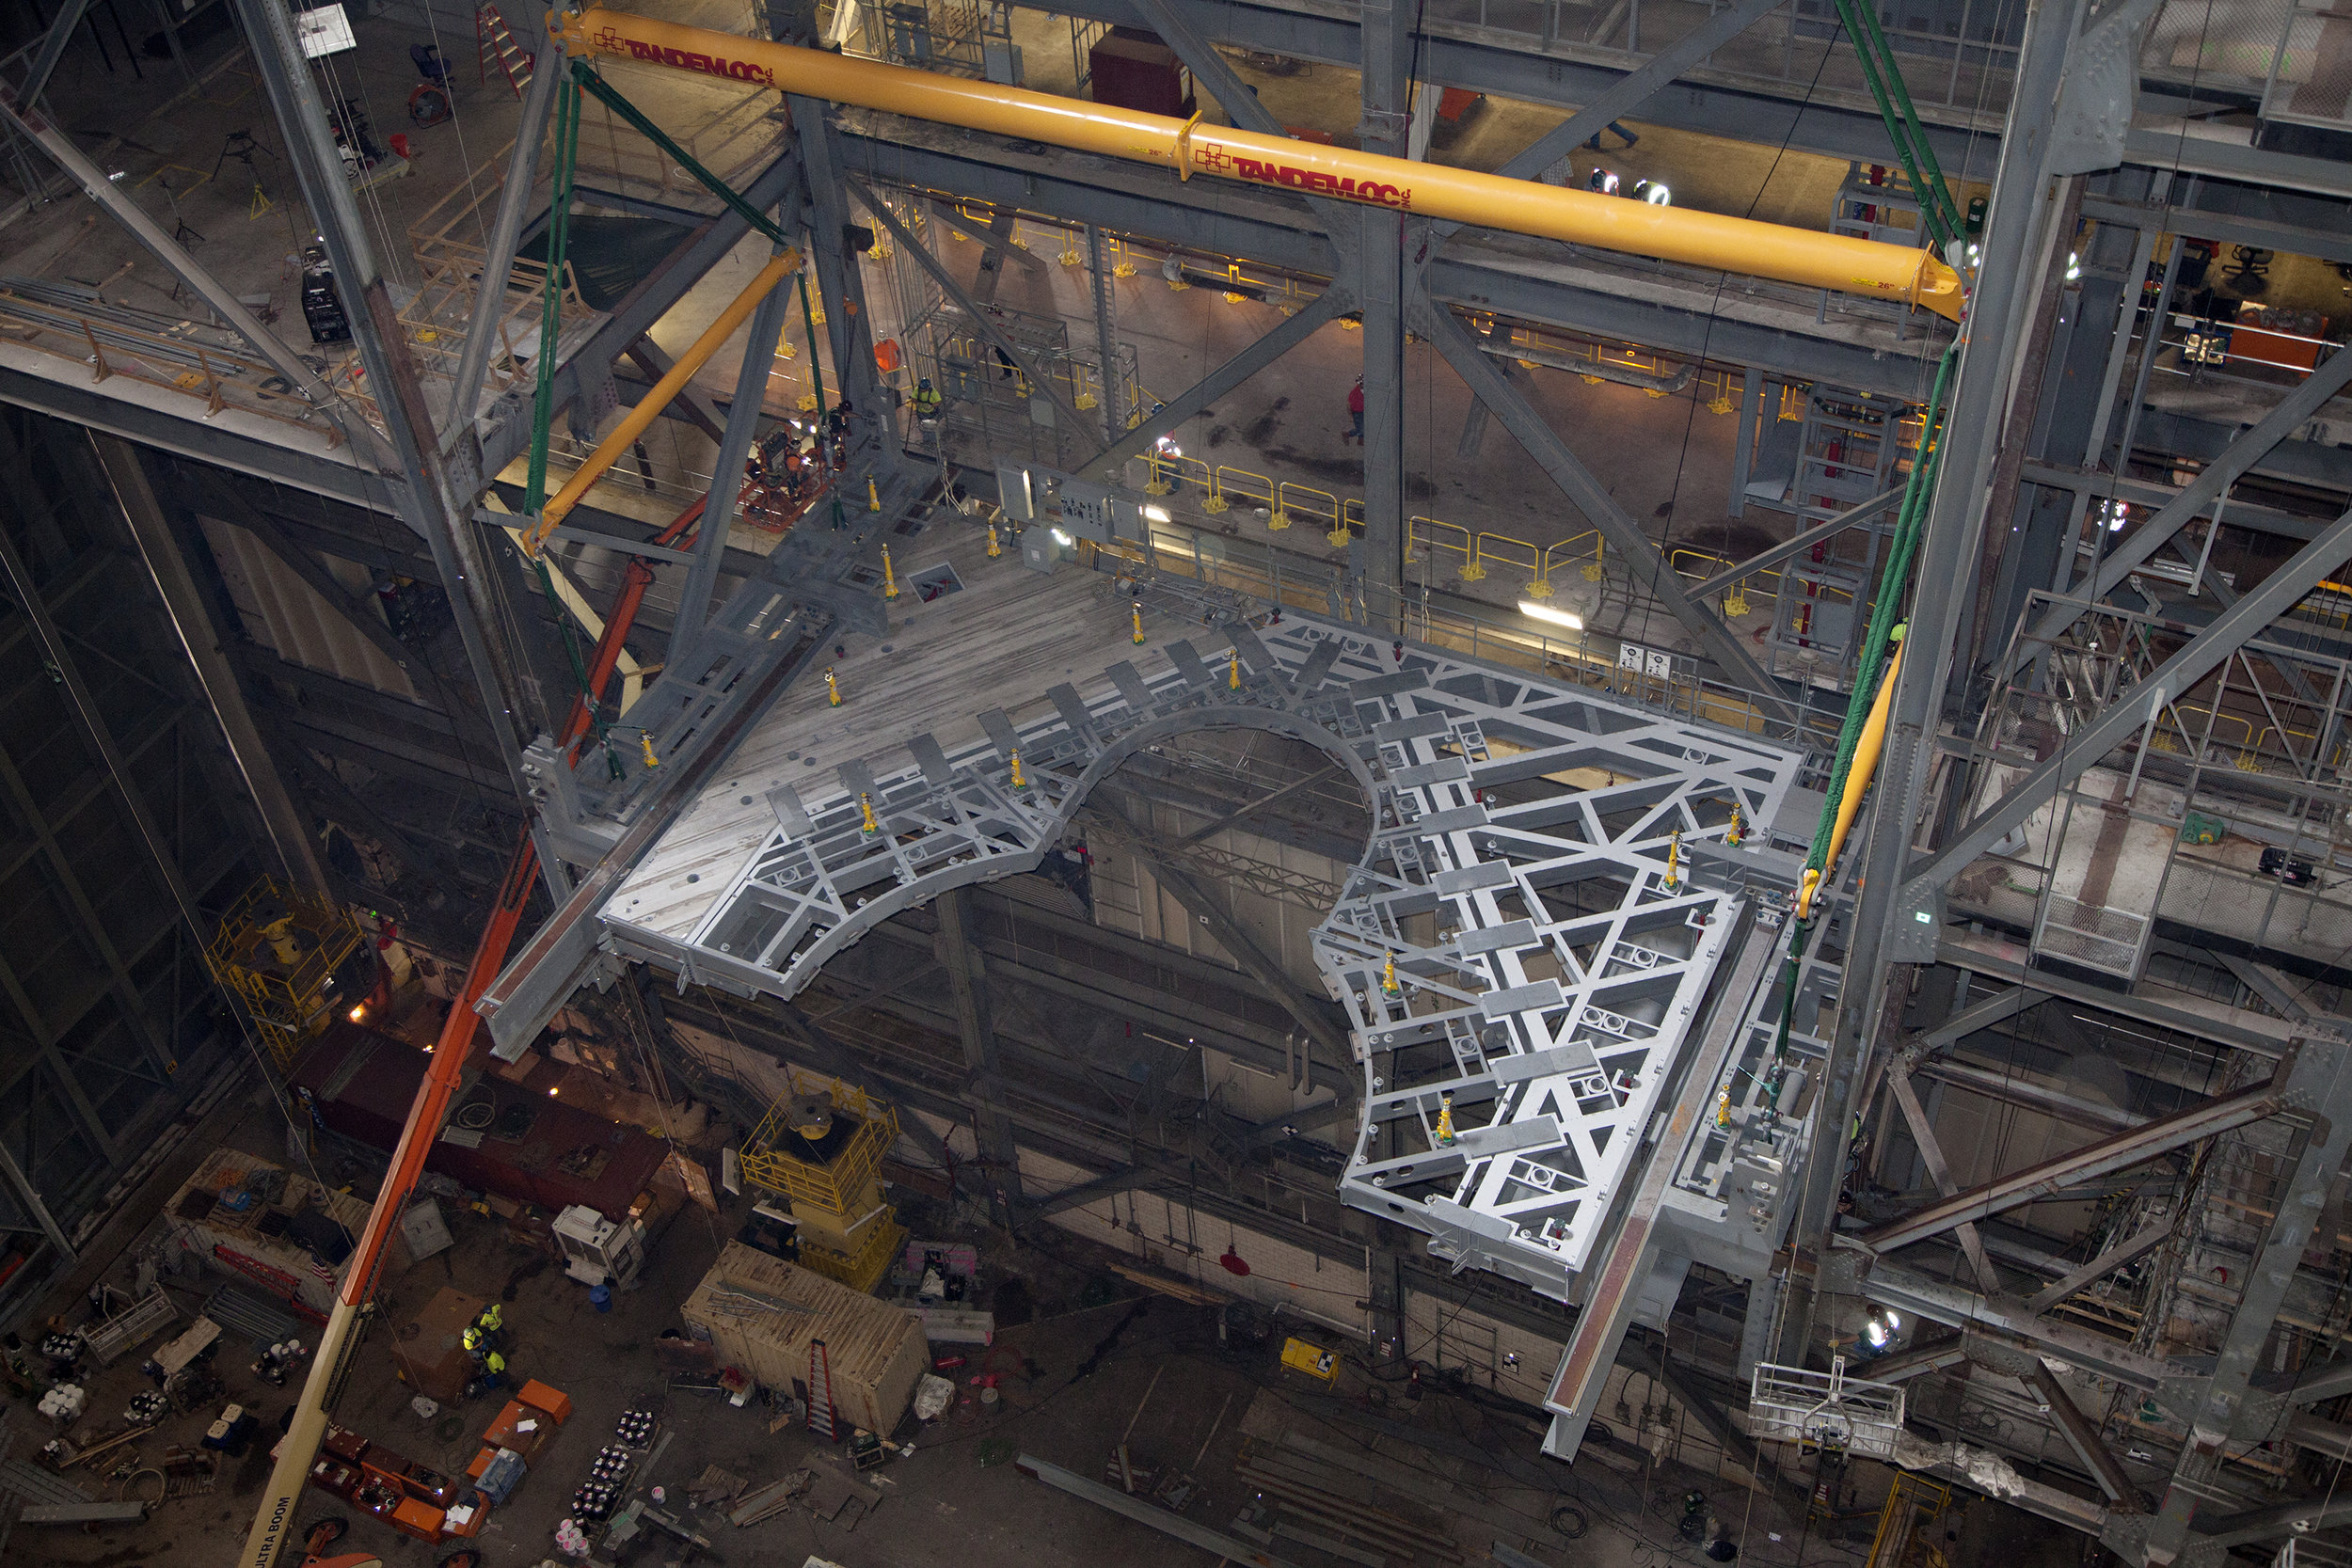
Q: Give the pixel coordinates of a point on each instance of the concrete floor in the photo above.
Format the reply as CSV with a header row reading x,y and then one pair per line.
x,y
1077,1380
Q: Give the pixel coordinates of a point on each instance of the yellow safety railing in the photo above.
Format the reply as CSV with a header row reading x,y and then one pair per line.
x,y
829,1186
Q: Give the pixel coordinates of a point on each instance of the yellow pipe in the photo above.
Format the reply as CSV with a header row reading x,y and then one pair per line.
x,y
638,420
1866,763
1800,256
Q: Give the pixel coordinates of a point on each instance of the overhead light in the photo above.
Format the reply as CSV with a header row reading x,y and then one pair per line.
x,y
1879,1327
1062,538
324,30
358,1013
1535,611
1156,514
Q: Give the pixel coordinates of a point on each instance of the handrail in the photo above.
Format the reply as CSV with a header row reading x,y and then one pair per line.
x,y
1896,273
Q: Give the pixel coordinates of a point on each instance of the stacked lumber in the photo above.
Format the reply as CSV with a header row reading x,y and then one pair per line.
x,y
1328,1498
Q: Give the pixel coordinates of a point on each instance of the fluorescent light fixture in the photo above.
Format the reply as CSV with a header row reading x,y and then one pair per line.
x,y
324,30
1535,611
1156,514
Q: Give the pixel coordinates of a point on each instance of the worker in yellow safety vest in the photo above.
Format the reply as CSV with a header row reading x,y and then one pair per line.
x,y
926,401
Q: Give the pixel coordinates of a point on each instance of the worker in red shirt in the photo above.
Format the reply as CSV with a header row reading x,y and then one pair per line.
x,y
1356,413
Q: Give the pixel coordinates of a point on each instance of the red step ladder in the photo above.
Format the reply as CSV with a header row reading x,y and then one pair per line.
x,y
496,46
822,1419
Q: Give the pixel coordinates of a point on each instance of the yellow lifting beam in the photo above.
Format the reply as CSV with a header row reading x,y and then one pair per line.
x,y
639,419
1743,245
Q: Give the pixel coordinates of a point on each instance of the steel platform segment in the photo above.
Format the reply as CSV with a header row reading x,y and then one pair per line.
x,y
1513,934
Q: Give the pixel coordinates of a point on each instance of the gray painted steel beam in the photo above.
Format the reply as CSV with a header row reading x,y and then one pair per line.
x,y
1940,1171
2083,1437
2020,245
13,1176
1677,317
1278,341
2294,412
982,319
1635,549
426,491
217,296
2129,712
562,952
2097,1269
690,629
53,49
1628,93
200,639
2320,1079
508,433
1230,934
1464,55
1996,1008
2119,1153
1818,534
2268,1524
506,227
975,1024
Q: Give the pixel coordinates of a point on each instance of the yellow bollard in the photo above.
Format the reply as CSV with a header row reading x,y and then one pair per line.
x,y
995,549
644,738
873,496
1388,976
1138,613
1018,782
890,578
1445,1120
833,689
865,811
1233,670
1723,1107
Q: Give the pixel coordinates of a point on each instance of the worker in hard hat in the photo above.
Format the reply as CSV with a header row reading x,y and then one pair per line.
x,y
926,401
492,1376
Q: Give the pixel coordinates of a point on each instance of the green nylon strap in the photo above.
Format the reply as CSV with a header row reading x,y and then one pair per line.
x,y
1935,186
1875,641
1885,78
718,187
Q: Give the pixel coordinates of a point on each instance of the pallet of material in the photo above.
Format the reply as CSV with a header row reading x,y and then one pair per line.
x,y
762,1313
238,1242
766,1502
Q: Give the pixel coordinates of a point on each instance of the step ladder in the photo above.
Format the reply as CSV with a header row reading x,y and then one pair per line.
x,y
822,1419
496,46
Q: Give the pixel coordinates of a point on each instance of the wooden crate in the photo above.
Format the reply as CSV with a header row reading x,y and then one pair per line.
x,y
761,1313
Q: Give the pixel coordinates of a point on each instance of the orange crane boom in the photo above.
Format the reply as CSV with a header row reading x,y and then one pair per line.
x,y
1800,256
273,1524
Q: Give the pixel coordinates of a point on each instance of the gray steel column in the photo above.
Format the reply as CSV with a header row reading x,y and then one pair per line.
x,y
13,1174
2293,412
981,318
997,1145
2321,1084
1743,442
159,550
1106,335
52,49
2017,236
1382,276
689,628
423,493
2196,658
514,203
1635,549
840,285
